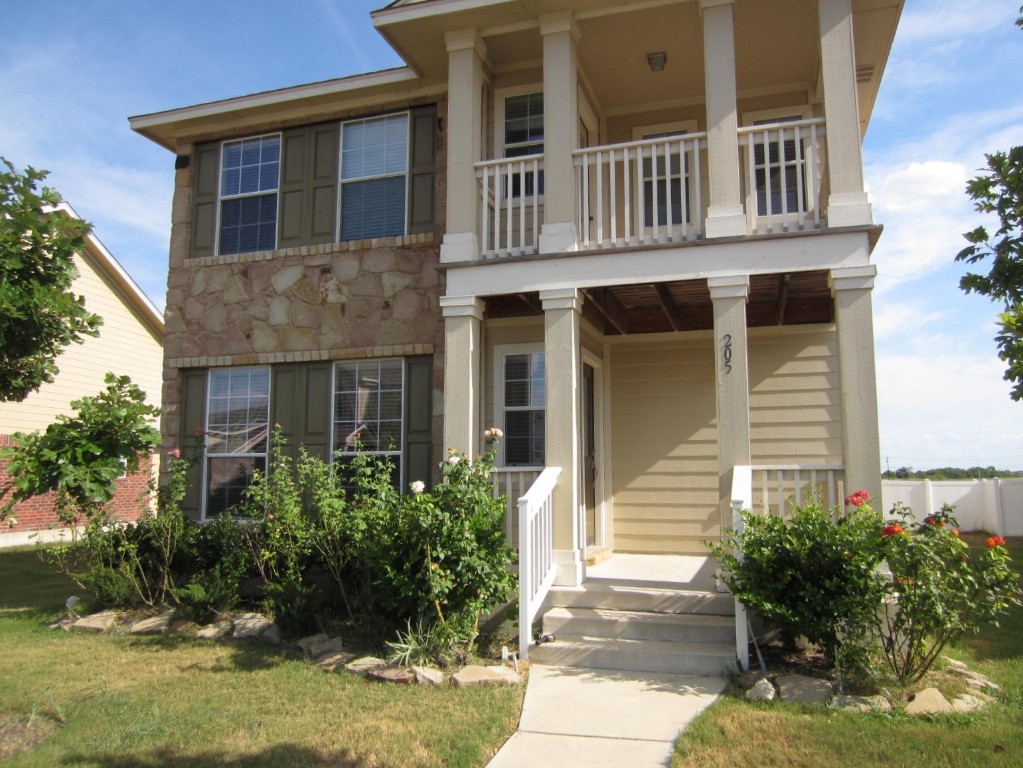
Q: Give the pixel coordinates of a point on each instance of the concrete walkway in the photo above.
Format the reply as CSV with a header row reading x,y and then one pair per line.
x,y
595,717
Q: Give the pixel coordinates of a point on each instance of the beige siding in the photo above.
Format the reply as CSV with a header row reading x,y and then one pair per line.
x,y
125,346
795,407
664,438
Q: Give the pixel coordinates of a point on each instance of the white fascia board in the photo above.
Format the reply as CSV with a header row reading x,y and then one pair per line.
x,y
280,96
593,269
112,267
396,14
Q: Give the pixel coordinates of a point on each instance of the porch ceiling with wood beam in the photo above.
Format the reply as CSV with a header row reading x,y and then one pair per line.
x,y
791,298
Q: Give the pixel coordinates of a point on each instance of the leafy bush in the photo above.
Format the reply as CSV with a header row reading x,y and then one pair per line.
x,y
939,591
815,575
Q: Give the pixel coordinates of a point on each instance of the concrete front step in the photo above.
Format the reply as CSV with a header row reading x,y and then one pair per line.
x,y
635,655
649,597
639,625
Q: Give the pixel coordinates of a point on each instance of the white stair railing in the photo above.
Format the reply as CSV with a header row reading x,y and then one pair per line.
x,y
536,552
741,498
778,487
512,483
511,191
640,192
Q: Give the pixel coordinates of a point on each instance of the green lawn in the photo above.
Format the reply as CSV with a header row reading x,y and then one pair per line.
x,y
738,733
68,699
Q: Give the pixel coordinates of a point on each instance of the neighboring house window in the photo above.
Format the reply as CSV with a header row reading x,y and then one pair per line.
x,y
523,136
249,178
780,172
369,409
237,432
520,398
374,184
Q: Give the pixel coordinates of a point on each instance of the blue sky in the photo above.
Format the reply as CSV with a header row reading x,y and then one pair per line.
x,y
71,73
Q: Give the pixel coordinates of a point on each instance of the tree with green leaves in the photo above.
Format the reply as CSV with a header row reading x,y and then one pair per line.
x,y
999,190
39,314
80,457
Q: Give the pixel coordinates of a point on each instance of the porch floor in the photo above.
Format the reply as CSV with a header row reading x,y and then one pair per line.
x,y
679,571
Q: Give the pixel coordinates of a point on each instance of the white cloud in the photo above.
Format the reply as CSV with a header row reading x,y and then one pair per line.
x,y
952,20
907,317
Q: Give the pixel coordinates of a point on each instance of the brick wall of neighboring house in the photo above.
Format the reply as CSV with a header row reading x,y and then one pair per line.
x,y
130,500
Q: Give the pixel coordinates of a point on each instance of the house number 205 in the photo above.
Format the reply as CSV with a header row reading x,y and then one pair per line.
x,y
727,352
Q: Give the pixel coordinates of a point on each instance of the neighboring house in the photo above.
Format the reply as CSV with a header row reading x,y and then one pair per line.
x,y
632,234
130,342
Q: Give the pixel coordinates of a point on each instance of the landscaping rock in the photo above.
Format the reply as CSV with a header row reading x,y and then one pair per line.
x,y
272,635
248,626
762,690
215,631
746,680
929,701
476,675
97,622
329,662
429,676
364,664
306,643
968,703
981,683
953,663
326,645
182,626
399,675
803,689
866,704
154,625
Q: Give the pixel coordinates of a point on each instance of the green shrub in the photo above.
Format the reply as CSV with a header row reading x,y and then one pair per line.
x,y
815,575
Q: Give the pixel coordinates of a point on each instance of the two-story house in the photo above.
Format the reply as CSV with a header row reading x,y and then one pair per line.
x,y
633,234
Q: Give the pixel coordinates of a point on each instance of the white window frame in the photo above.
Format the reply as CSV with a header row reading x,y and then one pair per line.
x,y
207,454
501,353
276,192
766,116
406,173
501,95
335,447
639,133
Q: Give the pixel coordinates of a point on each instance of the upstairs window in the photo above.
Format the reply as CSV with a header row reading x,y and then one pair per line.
x,y
249,179
779,165
374,169
523,136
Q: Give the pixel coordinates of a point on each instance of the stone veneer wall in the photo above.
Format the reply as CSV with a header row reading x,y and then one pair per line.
x,y
362,299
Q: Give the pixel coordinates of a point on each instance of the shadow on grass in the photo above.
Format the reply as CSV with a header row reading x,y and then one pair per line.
x,y
289,755
31,587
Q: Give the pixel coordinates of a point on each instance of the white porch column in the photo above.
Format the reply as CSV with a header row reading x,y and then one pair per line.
x,y
466,54
847,202
861,448
463,317
561,131
731,374
725,215
562,309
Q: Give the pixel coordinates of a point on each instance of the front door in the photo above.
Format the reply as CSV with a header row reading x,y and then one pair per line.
x,y
590,454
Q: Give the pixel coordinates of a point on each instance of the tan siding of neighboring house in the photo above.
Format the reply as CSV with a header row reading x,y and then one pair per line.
x,y
124,346
664,445
795,401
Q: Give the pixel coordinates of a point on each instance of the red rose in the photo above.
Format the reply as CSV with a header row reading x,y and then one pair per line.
x,y
995,541
892,530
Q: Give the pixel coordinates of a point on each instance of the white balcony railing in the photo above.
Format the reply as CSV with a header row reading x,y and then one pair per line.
x,y
777,488
512,483
536,555
784,172
640,192
511,205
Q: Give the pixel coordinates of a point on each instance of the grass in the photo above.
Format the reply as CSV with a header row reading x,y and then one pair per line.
x,y
737,733
114,701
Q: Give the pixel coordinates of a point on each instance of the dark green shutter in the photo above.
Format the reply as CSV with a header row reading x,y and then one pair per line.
x,y
309,178
419,419
204,199
300,403
193,419
423,170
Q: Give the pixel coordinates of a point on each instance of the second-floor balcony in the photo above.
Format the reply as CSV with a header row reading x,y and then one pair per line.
x,y
655,191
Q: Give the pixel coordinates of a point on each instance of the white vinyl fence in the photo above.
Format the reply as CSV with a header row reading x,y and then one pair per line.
x,y
995,506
